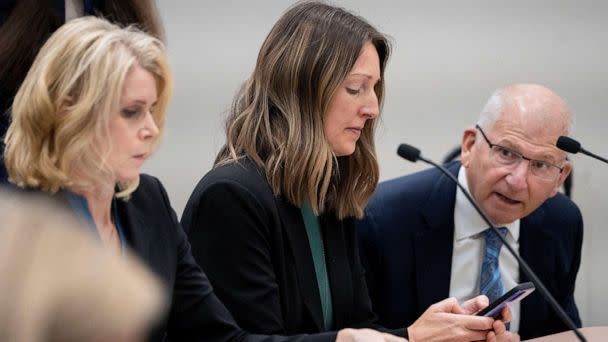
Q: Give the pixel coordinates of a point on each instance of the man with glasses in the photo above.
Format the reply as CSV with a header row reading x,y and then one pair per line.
x,y
421,240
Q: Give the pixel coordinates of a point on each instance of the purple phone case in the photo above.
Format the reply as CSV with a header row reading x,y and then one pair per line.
x,y
516,296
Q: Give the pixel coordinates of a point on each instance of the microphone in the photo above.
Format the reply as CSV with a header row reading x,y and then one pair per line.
x,y
413,154
570,145
408,152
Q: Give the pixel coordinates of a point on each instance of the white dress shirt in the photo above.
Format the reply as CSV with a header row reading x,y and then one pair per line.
x,y
468,253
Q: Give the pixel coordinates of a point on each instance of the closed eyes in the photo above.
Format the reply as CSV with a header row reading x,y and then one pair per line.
x,y
353,91
130,113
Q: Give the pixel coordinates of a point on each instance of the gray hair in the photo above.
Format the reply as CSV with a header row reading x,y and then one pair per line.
x,y
491,110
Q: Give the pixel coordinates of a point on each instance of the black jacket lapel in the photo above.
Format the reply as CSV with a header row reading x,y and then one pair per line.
x,y
338,269
434,245
133,224
291,218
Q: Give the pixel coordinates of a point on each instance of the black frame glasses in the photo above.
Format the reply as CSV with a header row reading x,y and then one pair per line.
x,y
510,157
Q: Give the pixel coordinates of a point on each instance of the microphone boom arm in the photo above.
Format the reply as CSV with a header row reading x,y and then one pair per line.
x,y
583,151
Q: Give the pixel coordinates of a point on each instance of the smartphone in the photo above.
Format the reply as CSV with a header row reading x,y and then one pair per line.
x,y
516,294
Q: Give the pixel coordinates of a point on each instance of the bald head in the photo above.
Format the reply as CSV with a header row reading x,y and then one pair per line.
x,y
531,105
519,127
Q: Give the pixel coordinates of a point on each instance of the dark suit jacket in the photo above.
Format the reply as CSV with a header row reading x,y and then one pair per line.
x,y
407,240
155,235
255,250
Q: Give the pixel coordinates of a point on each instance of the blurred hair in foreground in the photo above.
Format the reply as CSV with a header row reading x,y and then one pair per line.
x,y
57,283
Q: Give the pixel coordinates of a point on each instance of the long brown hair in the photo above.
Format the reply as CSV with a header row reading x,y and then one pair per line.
x,y
277,118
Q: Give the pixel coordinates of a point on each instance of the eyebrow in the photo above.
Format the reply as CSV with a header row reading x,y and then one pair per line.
x,y
542,156
369,77
140,102
550,158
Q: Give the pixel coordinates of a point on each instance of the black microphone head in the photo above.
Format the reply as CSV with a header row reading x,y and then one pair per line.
x,y
408,152
568,144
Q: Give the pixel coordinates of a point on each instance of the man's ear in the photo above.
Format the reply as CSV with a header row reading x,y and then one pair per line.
x,y
468,141
562,177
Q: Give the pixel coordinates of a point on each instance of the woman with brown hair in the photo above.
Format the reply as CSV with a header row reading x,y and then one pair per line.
x,y
272,222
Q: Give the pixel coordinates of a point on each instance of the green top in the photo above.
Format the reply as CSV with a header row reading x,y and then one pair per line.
x,y
315,239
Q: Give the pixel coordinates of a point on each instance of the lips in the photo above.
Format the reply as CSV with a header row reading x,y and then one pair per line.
x,y
140,156
355,130
506,199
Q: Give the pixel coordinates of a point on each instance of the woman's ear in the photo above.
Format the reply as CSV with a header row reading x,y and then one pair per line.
x,y
468,142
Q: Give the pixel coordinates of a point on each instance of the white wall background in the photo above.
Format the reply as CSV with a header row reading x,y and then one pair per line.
x,y
448,57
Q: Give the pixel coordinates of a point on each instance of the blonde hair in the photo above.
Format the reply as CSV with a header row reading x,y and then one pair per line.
x,y
60,114
60,284
277,117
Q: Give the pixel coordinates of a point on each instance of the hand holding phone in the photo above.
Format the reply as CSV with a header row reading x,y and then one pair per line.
x,y
516,294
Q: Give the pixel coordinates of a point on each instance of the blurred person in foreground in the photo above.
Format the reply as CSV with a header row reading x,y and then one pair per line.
x,y
58,284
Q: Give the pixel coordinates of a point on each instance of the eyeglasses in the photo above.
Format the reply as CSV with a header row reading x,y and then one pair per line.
x,y
510,158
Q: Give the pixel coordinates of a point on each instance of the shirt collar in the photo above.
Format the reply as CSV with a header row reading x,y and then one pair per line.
x,y
467,221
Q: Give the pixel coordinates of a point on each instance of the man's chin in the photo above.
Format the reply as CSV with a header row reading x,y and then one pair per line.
x,y
501,219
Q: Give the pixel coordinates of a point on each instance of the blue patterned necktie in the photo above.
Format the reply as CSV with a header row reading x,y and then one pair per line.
x,y
490,283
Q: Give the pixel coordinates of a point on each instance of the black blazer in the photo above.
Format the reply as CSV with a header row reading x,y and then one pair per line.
x,y
154,234
255,250
407,240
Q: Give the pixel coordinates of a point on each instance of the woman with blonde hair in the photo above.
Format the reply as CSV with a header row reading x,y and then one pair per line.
x,y
26,24
89,113
272,223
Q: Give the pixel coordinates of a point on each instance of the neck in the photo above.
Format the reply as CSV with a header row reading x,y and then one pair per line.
x,y
99,204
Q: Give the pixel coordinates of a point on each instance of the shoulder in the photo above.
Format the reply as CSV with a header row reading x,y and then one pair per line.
x,y
234,187
413,188
558,218
244,172
561,203
408,199
150,193
559,210
242,177
148,185
396,200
